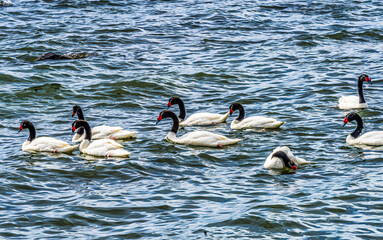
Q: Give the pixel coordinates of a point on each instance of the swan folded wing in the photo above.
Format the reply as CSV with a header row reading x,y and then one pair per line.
x,y
374,138
48,144
105,130
204,119
124,134
202,138
105,143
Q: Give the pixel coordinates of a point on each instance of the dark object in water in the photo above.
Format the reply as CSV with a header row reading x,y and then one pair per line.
x,y
55,56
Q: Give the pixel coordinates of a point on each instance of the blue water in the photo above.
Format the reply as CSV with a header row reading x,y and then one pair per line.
x,y
290,60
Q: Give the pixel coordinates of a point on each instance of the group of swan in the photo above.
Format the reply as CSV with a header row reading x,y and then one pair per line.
x,y
103,144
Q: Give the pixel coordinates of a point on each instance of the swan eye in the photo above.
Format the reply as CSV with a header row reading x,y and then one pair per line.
x,y
169,104
73,129
345,120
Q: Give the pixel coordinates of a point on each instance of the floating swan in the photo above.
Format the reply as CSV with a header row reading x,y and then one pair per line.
x,y
196,138
198,119
101,147
350,102
100,132
282,158
43,144
251,122
374,138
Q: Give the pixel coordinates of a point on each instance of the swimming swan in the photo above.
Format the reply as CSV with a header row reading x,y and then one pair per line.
x,y
196,138
350,102
100,132
251,122
199,119
43,144
101,147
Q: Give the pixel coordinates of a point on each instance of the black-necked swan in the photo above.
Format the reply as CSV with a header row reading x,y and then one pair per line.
x,y
251,122
351,102
282,158
101,147
374,138
196,138
198,119
43,144
100,132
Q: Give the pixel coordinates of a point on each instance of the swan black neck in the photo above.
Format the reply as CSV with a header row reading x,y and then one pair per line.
x,y
238,106
167,114
354,116
83,124
286,160
31,128
77,109
360,90
181,105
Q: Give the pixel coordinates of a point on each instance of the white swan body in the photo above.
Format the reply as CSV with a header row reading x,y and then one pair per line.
x,y
353,102
43,144
196,138
100,147
202,119
256,122
251,122
198,119
201,138
103,148
47,144
101,132
374,138
278,164
105,132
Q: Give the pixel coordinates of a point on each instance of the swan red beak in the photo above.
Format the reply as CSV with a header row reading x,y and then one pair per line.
x,y
231,111
159,119
73,114
294,167
345,120
169,105
73,129
20,128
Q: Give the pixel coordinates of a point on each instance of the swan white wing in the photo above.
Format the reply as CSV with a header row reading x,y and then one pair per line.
x,y
350,102
374,138
256,122
204,119
201,138
104,131
47,144
105,147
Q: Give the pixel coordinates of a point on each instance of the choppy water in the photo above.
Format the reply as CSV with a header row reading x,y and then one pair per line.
x,y
290,60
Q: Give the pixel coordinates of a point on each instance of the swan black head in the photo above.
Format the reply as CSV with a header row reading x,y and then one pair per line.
x,y
32,130
82,124
25,124
365,77
286,160
167,114
177,100
237,106
173,100
77,110
351,117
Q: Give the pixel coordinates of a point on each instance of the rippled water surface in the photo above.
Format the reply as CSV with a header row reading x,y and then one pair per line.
x,y
290,60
